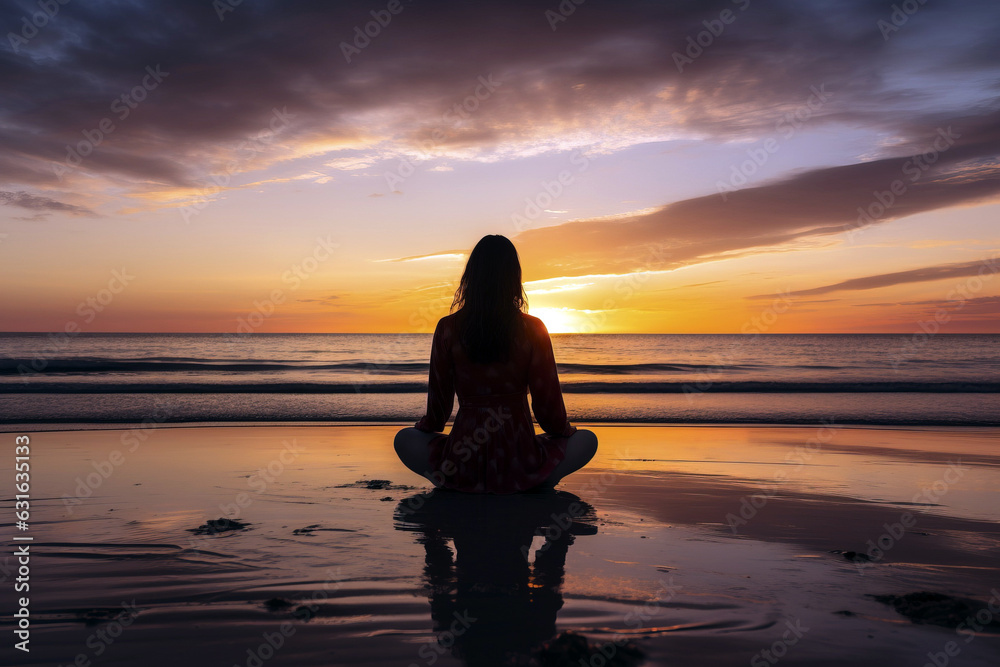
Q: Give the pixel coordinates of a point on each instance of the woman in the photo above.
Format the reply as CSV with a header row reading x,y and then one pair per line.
x,y
489,352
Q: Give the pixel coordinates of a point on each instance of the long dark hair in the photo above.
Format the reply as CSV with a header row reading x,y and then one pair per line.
x,y
489,300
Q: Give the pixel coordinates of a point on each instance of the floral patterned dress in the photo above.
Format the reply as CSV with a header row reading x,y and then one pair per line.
x,y
492,446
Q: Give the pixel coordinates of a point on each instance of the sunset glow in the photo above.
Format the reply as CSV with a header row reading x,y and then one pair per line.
x,y
851,175
558,320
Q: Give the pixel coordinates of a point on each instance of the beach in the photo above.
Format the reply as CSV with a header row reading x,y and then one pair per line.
x,y
678,544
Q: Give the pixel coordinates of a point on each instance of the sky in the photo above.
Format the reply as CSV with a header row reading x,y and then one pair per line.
x,y
717,166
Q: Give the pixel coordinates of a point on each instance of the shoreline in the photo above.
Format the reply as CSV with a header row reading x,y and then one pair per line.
x,y
897,409
69,427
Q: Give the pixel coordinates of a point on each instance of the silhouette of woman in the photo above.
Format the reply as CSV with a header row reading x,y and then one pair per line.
x,y
489,603
489,352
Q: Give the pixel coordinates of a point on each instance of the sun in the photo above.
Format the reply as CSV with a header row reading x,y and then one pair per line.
x,y
557,320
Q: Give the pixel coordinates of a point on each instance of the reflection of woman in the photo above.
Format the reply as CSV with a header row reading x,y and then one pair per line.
x,y
490,353
490,606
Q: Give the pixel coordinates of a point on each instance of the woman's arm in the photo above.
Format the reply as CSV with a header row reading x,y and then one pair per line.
x,y
543,382
440,383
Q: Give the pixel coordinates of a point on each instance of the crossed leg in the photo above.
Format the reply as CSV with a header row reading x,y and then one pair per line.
x,y
412,449
411,446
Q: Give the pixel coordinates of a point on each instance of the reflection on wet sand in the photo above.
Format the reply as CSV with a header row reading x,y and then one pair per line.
x,y
493,601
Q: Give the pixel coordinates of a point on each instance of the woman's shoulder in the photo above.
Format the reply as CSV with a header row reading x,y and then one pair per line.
x,y
531,320
533,324
447,322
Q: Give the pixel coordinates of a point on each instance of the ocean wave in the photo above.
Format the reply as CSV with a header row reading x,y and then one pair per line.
x,y
118,421
85,365
44,386
177,364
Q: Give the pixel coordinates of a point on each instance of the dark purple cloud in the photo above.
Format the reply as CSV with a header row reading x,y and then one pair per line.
x,y
40,205
226,76
985,268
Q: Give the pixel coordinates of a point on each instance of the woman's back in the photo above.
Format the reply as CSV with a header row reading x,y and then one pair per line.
x,y
529,367
498,377
492,445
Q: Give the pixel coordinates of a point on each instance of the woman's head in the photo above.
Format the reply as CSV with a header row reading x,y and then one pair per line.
x,y
490,299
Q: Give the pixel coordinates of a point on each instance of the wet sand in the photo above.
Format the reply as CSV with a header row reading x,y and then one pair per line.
x,y
687,545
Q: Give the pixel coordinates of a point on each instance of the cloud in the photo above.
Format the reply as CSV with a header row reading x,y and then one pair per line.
x,y
816,203
553,290
985,267
984,307
606,78
971,314
41,205
327,300
351,163
448,255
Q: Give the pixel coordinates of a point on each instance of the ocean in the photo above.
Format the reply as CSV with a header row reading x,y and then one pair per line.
x,y
891,379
